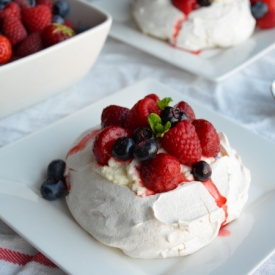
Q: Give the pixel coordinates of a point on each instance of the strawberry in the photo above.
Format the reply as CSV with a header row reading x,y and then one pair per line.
x,y
113,115
138,115
104,141
12,9
153,96
209,138
5,50
186,6
183,142
32,44
56,33
161,174
37,18
14,30
48,3
187,109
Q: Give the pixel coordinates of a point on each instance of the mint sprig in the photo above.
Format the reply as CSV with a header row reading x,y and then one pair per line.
x,y
156,125
164,102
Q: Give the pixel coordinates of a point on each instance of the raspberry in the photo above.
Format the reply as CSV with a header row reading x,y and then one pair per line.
x,y
138,115
186,6
37,18
161,174
5,50
113,115
69,23
183,142
153,96
23,4
209,138
45,3
104,141
187,109
12,9
14,30
268,21
32,44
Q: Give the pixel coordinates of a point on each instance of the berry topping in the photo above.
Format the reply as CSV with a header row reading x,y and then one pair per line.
x,y
183,142
52,189
5,50
173,115
104,141
201,171
122,148
61,8
259,9
138,115
209,138
145,150
205,3
153,96
186,6
113,115
161,174
56,169
143,133
187,109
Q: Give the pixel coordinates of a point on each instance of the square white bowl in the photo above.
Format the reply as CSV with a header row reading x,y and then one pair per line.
x,y
34,78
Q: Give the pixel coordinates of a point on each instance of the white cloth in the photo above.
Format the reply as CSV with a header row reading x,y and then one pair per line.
x,y
244,97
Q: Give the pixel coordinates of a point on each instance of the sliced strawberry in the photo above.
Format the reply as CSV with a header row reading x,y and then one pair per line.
x,y
209,138
162,173
113,115
187,109
104,141
183,142
138,115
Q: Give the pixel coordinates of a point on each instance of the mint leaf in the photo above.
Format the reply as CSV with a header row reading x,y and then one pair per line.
x,y
164,102
156,125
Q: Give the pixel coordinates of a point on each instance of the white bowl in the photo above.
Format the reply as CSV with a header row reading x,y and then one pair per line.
x,y
34,78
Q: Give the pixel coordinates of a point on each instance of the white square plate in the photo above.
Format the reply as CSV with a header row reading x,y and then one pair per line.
x,y
215,65
52,230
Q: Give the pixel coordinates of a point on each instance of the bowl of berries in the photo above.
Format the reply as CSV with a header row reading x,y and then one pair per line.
x,y
46,46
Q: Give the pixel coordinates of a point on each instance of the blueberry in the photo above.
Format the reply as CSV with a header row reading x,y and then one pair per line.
x,y
52,189
4,2
174,115
122,148
143,133
259,10
61,8
2,6
32,3
56,18
146,150
204,3
56,169
201,171
82,28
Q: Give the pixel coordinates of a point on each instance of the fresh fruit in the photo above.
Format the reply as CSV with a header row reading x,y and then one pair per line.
x,y
47,3
61,8
5,50
113,115
145,150
205,3
69,23
138,115
209,138
56,33
161,174
24,4
104,141
187,109
173,115
56,169
122,148
11,9
52,189
186,6
31,44
268,21
37,18
202,171
143,133
58,19
153,96
13,29
81,28
259,9
183,142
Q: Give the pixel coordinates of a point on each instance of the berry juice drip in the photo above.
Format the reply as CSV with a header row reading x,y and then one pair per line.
x,y
219,199
83,142
177,28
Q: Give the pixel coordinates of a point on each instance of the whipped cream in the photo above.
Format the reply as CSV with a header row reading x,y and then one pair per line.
x,y
174,223
225,23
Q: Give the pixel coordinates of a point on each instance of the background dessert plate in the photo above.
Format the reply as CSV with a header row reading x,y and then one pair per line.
x,y
50,227
215,65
